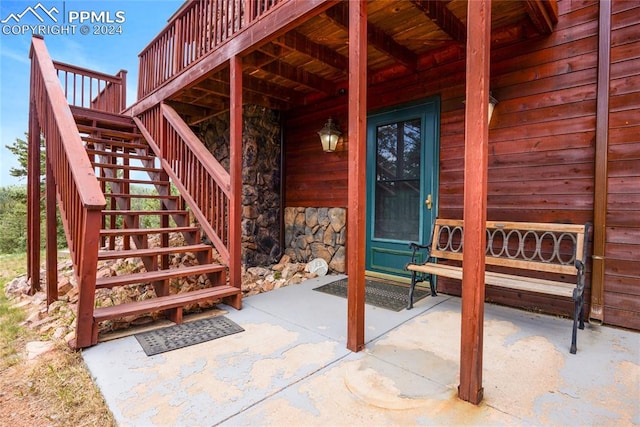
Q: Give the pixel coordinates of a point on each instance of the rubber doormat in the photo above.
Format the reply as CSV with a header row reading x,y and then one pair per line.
x,y
186,334
379,294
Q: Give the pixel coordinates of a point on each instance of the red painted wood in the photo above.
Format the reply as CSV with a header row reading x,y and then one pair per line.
x,y
80,198
272,21
475,199
33,195
51,237
356,207
235,169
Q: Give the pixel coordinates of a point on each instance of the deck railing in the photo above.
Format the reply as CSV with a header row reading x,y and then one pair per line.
x,y
92,89
197,28
80,199
201,180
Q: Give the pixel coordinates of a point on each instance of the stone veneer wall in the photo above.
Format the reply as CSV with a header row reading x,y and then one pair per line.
x,y
261,166
316,233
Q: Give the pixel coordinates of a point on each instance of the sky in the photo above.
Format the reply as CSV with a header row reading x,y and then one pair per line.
x,y
139,21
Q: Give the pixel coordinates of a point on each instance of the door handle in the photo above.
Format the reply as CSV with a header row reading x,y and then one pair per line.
x,y
428,202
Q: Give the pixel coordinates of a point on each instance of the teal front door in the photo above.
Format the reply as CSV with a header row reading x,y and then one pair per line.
x,y
402,173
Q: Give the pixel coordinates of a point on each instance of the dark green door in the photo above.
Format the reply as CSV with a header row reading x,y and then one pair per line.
x,y
402,172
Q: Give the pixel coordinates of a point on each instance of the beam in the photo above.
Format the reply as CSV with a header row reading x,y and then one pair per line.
x,y
476,154
596,312
300,43
376,37
437,11
357,181
543,14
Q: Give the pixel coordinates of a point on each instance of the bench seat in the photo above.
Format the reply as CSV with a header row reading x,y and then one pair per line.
x,y
520,283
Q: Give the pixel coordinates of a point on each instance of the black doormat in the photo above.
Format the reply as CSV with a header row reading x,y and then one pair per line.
x,y
379,294
186,334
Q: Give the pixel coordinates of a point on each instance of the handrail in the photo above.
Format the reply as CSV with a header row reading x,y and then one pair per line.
x,y
202,181
93,89
196,29
80,198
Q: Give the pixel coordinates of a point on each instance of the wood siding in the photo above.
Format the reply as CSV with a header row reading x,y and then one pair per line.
x,y
542,136
622,254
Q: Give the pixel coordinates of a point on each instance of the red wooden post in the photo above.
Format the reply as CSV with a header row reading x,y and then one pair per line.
x,y
123,90
33,197
235,169
52,237
86,271
596,314
475,199
357,172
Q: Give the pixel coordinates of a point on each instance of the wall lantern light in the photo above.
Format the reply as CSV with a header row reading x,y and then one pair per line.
x,y
492,105
329,136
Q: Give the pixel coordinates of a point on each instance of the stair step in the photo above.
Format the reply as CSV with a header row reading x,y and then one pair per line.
x,y
127,167
128,144
138,213
142,231
138,253
163,303
154,276
107,132
132,181
105,118
141,196
109,153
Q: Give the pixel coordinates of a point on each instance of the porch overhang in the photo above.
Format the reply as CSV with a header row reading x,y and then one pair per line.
x,y
295,54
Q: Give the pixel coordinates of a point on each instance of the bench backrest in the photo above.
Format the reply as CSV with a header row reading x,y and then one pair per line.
x,y
545,247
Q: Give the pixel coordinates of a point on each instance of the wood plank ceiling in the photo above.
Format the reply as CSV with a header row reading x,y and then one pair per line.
x,y
309,63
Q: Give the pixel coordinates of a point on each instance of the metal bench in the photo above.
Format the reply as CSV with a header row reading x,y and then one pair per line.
x,y
519,249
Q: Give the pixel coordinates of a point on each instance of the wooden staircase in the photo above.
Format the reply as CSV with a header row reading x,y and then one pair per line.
x,y
124,161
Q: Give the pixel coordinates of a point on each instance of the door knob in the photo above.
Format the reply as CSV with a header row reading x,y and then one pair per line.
x,y
428,202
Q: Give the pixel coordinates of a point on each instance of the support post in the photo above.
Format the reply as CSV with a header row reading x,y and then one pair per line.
x,y
475,199
356,207
235,172
596,313
33,198
52,236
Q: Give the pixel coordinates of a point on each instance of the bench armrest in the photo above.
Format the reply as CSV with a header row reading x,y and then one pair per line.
x,y
579,290
415,249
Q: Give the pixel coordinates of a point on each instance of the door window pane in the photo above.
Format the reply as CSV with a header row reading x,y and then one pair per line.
x,y
397,192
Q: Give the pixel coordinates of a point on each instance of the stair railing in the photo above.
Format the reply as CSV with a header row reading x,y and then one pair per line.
x,y
202,181
196,28
92,89
80,199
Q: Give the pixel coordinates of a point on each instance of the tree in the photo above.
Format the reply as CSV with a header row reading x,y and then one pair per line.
x,y
20,149
13,202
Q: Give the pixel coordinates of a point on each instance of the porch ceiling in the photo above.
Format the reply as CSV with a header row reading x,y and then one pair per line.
x,y
309,63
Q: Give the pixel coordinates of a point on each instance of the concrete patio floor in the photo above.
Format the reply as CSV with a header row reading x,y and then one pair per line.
x,y
291,367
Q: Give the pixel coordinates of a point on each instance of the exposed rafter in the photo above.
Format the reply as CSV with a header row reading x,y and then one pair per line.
x,y
543,14
296,41
380,40
289,72
449,23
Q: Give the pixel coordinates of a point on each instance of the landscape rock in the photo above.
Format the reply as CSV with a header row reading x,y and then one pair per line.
x,y
38,348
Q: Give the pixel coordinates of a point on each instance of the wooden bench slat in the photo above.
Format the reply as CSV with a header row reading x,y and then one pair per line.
x,y
522,283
